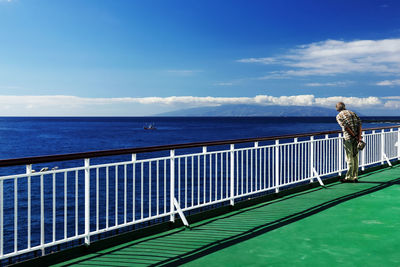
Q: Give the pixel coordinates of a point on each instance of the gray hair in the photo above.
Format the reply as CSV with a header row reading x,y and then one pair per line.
x,y
340,106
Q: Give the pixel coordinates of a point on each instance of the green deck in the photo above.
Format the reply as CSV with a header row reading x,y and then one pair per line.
x,y
344,225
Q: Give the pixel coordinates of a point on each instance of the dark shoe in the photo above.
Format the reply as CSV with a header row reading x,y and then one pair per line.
x,y
347,181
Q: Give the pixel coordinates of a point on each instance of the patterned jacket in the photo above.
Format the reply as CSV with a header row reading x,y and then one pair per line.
x,y
347,118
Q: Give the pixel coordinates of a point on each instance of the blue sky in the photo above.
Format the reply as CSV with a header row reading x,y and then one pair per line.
x,y
132,58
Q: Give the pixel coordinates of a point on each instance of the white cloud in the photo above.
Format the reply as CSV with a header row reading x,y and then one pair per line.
x,y
331,84
263,60
333,57
392,104
389,83
359,102
58,105
391,97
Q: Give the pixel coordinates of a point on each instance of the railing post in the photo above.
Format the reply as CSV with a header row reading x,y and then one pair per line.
x,y
87,202
29,172
134,186
311,158
276,166
204,173
363,153
172,185
382,146
296,159
232,174
340,153
255,164
326,154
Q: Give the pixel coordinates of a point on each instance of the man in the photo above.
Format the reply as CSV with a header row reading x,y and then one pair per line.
x,y
351,126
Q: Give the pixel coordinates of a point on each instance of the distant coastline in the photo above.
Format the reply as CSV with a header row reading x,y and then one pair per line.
x,y
254,110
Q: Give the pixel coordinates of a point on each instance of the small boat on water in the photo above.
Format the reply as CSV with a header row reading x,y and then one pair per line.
x,y
151,126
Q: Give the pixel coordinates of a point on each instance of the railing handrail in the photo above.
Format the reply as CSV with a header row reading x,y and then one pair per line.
x,y
125,151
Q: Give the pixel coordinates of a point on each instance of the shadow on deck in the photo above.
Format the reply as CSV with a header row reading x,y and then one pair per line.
x,y
180,246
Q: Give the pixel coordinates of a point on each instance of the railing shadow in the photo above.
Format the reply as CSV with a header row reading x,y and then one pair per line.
x,y
181,246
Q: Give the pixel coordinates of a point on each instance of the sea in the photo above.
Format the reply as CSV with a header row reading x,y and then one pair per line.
x,y
38,136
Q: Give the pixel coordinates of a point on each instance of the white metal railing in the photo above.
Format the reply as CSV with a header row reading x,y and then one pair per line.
x,y
50,207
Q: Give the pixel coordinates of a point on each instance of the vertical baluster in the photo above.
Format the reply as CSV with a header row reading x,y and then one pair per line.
x,y
312,158
141,191
270,166
165,185
303,160
54,207
222,175
204,174
134,187
247,171
326,154
42,215
232,174
76,203
15,214
251,170
172,185
368,151
371,152
179,181
382,146
363,153
340,153
375,138
87,201
260,169
290,162
28,171
295,160
107,195
157,188
287,160
116,195
330,163
125,191
216,177
282,175
237,172
284,164
149,188
198,179
97,199
192,180
276,166
227,176
242,167
186,181
210,178
256,165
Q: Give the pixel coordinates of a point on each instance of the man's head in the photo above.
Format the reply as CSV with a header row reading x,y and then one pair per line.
x,y
340,106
